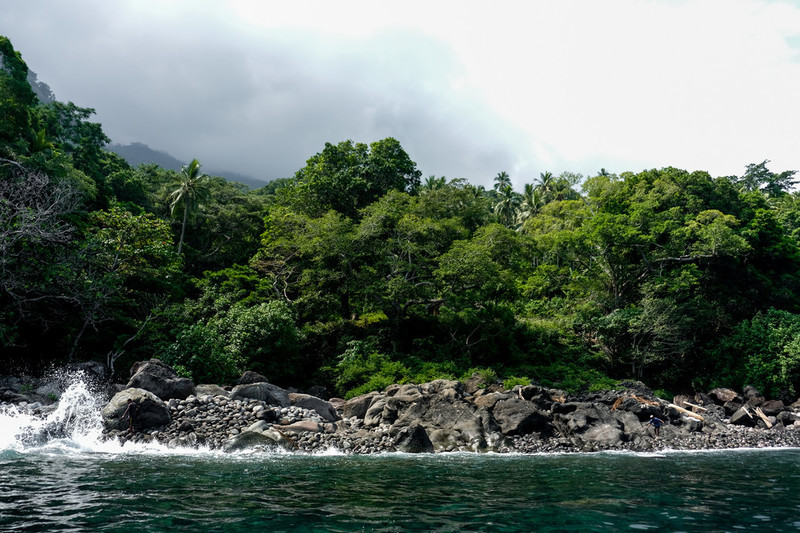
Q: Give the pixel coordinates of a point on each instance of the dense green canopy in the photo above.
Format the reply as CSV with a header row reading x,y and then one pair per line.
x,y
354,273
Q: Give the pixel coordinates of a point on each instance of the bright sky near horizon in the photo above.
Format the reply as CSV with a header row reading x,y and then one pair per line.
x,y
468,88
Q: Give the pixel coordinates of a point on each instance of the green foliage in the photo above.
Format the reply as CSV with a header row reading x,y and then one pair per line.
x,y
510,383
354,273
361,369
198,354
17,100
486,376
265,337
764,352
349,176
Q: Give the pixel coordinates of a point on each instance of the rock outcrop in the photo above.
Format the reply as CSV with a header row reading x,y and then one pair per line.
x,y
160,379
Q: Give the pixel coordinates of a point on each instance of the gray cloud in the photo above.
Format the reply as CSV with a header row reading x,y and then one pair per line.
x,y
260,104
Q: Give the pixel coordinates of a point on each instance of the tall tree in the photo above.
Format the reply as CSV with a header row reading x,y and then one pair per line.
x,y
348,176
192,191
501,181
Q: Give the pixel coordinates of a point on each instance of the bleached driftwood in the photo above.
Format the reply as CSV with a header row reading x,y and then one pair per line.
x,y
687,412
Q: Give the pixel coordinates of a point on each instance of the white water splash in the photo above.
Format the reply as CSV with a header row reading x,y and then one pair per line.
x,y
76,423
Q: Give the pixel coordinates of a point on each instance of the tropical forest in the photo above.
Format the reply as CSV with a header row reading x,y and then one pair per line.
x,y
358,272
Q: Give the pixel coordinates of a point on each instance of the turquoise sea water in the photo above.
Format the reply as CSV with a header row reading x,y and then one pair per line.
x,y
77,483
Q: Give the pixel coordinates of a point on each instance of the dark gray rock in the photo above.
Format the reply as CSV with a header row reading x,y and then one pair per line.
x,y
742,417
251,377
265,392
752,396
413,439
772,407
151,411
358,406
519,417
732,406
313,403
160,379
320,392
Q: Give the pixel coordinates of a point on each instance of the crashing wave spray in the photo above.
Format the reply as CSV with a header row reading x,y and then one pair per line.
x,y
76,422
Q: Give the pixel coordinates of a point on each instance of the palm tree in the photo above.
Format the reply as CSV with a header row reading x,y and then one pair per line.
x,y
501,181
192,191
506,206
532,202
433,183
545,185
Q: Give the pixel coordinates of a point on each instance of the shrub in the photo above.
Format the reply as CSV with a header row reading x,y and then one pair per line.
x,y
198,354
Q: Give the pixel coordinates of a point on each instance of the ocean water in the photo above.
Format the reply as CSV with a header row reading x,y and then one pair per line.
x,y
58,475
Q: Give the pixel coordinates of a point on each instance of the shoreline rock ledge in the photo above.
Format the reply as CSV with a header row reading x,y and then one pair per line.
x,y
448,416
435,417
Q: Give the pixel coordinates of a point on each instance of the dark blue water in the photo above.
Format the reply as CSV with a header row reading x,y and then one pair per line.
x,y
65,489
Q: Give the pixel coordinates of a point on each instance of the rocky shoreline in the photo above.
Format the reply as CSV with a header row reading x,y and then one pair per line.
x,y
436,417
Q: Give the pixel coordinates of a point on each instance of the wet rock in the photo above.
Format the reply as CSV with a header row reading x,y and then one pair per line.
x,y
151,411
518,417
257,440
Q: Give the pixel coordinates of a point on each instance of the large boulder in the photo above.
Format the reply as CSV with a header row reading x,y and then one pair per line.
x,y
258,437
773,407
251,377
263,391
590,423
313,403
357,407
520,417
151,411
160,379
413,439
721,396
450,424
743,417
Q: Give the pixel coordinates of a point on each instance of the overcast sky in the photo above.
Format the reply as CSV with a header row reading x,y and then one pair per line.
x,y
468,88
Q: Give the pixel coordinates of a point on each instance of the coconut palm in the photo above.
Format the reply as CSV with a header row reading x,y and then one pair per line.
x,y
433,183
532,202
507,206
192,191
501,181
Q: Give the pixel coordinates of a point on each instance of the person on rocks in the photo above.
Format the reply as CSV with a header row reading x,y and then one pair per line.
x,y
656,423
130,412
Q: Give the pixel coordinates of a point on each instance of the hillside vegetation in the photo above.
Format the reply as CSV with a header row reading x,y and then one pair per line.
x,y
356,272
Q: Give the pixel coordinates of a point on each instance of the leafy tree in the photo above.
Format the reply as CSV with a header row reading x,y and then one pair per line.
x,y
125,261
501,181
265,337
758,177
17,101
764,352
349,176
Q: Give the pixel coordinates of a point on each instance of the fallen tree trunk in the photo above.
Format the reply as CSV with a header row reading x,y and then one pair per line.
x,y
687,412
